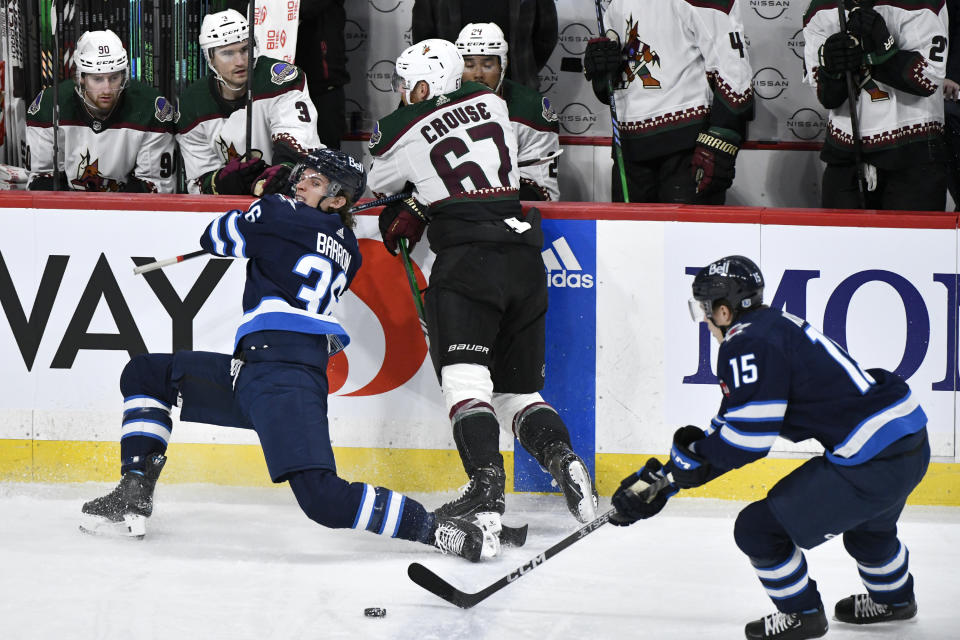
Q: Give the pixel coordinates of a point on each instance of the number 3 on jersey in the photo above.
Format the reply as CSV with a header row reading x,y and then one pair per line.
x,y
327,290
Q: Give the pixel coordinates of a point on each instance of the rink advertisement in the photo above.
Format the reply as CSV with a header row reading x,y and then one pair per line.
x,y
625,364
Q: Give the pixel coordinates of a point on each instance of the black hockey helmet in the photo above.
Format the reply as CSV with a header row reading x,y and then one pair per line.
x,y
346,175
735,281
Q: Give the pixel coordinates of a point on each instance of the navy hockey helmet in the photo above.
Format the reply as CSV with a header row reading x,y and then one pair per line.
x,y
735,281
346,175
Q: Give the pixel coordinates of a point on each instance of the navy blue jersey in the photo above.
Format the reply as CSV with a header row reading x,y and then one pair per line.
x,y
781,376
301,262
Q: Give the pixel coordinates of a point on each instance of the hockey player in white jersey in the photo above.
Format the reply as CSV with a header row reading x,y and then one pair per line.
x,y
682,83
897,54
484,50
487,299
211,129
114,133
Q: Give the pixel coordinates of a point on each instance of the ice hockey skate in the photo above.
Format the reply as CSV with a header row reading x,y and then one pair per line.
x,y
570,473
483,494
471,540
862,609
124,511
788,626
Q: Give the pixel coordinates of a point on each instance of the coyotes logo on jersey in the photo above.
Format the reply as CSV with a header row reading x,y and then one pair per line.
x,y
89,177
640,58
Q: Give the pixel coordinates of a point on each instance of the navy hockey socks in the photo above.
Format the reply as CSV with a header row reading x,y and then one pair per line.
x,y
145,431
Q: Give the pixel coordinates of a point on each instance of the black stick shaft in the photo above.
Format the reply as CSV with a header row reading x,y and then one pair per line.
x,y
854,121
614,124
251,13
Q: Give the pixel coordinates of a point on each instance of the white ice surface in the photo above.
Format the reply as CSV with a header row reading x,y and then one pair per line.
x,y
240,563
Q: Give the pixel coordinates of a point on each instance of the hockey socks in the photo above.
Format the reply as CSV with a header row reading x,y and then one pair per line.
x,y
476,433
145,431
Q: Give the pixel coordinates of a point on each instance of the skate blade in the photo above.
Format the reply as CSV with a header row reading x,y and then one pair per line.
x,y
587,506
132,526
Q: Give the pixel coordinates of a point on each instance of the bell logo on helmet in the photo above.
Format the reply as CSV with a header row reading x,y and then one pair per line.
x,y
719,268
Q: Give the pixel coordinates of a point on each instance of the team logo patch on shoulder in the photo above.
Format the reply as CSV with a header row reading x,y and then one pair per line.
x,y
736,330
165,111
375,136
282,72
548,113
35,105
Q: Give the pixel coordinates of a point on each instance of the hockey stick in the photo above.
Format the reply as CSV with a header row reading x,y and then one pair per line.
x,y
852,92
251,13
414,288
56,95
166,262
548,158
614,125
443,589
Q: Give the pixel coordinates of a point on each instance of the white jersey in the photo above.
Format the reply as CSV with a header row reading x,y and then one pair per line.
x,y
134,141
677,49
888,117
538,137
211,130
453,148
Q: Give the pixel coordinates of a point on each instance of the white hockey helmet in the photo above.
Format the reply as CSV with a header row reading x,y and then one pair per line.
x,y
434,61
484,39
220,29
100,52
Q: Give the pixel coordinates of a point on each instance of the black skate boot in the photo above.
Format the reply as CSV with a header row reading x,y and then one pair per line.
x,y
483,494
861,609
461,537
788,626
124,511
570,473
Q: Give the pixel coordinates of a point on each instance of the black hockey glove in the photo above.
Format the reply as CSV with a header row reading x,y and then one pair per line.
x,y
44,182
867,26
602,59
275,179
137,185
689,469
714,159
840,53
236,178
601,65
633,500
402,219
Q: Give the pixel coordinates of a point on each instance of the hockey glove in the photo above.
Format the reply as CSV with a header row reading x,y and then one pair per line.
x,y
631,500
689,469
602,59
867,26
44,182
402,219
840,53
236,178
137,185
714,159
601,64
275,179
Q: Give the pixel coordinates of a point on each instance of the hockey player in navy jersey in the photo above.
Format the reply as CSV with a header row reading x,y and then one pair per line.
x,y
303,256
781,377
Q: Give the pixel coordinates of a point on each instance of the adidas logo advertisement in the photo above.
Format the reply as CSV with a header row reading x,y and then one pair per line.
x,y
563,268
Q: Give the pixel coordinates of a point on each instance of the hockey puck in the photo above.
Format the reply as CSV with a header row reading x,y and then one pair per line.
x,y
375,612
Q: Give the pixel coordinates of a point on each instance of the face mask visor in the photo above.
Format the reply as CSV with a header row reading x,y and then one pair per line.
x,y
700,310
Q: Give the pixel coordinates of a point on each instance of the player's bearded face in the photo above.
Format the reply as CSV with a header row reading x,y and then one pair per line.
x,y
103,89
230,61
483,69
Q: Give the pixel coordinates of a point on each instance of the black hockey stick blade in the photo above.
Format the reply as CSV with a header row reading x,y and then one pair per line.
x,y
513,536
443,589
